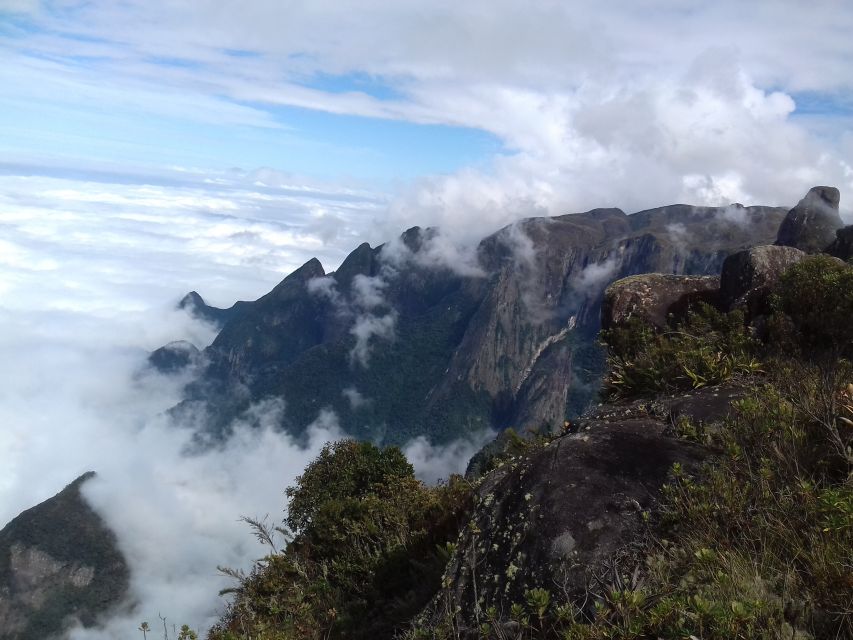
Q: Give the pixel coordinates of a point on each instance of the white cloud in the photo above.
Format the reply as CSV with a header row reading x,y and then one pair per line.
x,y
596,275
366,328
632,104
355,397
438,462
73,397
368,292
102,241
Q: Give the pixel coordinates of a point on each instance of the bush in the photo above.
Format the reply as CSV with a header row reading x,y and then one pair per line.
x,y
815,297
346,469
707,347
369,545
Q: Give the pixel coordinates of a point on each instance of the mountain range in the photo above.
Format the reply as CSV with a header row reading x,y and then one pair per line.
x,y
417,337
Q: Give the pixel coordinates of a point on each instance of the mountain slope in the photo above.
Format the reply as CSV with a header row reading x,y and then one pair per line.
x,y
413,338
59,564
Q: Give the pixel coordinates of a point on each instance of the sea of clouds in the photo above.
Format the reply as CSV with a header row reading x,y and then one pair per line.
x,y
89,279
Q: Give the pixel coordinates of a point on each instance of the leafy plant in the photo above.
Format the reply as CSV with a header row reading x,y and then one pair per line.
x,y
707,347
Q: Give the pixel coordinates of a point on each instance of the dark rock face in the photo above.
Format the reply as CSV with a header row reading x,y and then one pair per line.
x,y
748,276
811,225
174,357
195,304
653,297
553,519
843,246
59,565
455,348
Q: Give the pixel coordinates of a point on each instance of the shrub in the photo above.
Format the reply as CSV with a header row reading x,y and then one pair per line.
x,y
707,347
346,469
369,546
815,296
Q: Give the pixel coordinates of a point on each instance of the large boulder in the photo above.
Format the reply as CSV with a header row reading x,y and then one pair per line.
x,y
59,566
811,225
748,276
652,297
843,245
555,518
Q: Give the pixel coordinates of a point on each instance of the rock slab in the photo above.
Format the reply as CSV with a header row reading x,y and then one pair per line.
x,y
652,297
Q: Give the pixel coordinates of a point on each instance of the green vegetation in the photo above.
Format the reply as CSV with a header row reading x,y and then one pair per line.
x,y
369,544
758,545
814,308
706,348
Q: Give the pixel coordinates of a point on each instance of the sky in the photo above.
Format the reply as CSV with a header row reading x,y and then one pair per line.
x,y
152,147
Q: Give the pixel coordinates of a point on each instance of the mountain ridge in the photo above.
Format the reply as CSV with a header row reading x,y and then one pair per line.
x,y
446,345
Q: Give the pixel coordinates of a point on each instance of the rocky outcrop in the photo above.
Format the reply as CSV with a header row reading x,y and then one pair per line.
x,y
174,357
559,516
842,247
811,225
748,276
653,297
59,565
195,305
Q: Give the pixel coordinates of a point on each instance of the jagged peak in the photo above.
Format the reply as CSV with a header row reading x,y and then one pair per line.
x,y
192,300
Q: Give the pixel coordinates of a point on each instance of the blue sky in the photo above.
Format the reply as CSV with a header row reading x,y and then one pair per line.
x,y
290,138
467,116
362,93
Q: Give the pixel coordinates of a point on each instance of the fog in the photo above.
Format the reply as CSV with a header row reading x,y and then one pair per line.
x,y
76,395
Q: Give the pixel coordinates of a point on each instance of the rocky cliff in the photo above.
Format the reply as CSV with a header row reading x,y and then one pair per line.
x,y
409,338
59,566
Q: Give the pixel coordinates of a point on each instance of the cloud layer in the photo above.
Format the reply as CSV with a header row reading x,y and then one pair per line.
x,y
631,104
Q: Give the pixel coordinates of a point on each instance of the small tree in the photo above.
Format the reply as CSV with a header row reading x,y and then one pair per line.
x,y
346,469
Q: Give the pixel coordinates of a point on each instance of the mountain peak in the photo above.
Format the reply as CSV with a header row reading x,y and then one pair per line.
x,y
59,564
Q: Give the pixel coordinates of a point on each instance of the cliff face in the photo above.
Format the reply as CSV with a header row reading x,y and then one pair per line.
x,y
59,565
399,342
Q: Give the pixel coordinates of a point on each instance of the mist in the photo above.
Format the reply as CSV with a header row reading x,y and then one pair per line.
x,y
76,395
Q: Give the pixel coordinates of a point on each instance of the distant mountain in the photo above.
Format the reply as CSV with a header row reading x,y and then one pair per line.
x,y
59,565
412,338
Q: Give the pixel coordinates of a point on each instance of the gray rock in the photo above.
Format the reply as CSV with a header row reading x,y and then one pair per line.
x,y
843,246
811,225
513,343
558,516
748,276
195,305
652,297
